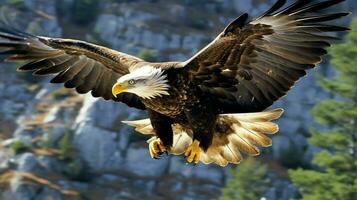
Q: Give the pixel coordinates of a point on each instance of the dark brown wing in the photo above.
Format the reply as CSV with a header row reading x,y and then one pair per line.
x,y
249,66
80,65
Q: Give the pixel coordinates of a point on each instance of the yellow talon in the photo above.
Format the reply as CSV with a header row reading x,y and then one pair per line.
x,y
193,152
156,148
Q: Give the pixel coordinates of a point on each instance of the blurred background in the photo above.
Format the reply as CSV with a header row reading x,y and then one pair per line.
x,y
58,145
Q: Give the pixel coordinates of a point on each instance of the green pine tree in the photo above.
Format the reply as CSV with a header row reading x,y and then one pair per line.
x,y
246,181
337,162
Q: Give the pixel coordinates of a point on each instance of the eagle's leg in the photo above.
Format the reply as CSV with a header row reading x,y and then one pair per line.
x,y
202,120
193,152
156,148
163,129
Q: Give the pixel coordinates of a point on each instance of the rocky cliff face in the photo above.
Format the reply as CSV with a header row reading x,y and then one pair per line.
x,y
58,145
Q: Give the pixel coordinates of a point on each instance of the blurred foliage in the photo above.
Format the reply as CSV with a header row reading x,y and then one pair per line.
x,y
19,4
16,2
336,177
74,167
61,93
147,54
247,181
18,147
85,11
66,148
293,156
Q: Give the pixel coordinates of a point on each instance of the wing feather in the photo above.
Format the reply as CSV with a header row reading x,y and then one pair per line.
x,y
44,63
90,80
79,78
57,68
75,63
264,58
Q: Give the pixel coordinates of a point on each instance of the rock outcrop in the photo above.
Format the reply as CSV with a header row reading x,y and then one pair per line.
x,y
59,145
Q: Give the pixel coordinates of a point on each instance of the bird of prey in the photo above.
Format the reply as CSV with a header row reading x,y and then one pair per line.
x,y
211,107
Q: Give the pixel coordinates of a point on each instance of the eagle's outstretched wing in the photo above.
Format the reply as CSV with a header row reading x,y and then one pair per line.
x,y
80,65
251,65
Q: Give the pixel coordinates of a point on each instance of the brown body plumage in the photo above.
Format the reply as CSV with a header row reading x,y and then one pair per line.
x,y
245,69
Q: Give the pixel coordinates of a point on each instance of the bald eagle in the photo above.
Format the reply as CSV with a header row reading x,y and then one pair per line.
x,y
211,107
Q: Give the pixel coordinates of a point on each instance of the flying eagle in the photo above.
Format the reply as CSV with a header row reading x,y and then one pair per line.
x,y
211,107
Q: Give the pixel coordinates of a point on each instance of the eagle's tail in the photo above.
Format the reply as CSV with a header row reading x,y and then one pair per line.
x,y
234,133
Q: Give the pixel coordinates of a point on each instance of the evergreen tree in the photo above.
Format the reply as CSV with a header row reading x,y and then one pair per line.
x,y
336,177
246,181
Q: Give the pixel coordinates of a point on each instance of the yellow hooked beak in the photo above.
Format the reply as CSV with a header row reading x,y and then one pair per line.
x,y
117,89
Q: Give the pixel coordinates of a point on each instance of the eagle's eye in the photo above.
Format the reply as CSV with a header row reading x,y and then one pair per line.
x,y
132,82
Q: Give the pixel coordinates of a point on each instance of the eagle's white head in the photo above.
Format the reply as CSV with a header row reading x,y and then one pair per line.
x,y
147,82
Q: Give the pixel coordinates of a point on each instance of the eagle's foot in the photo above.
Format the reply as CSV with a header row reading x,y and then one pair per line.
x,y
157,148
193,152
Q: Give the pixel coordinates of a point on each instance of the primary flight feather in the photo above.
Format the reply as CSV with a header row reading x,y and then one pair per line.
x,y
210,107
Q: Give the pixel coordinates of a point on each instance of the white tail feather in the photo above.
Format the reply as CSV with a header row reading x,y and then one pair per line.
x,y
247,130
142,126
